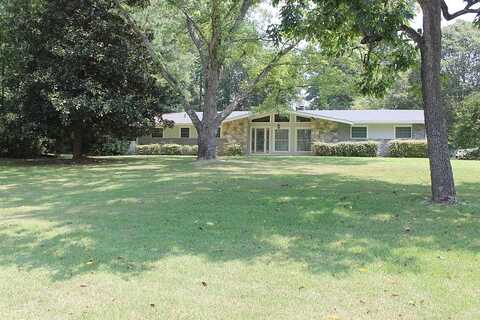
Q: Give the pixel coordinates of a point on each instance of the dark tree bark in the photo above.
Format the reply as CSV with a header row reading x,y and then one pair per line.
x,y
443,187
77,143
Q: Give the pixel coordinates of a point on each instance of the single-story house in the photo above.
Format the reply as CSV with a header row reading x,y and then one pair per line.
x,y
294,133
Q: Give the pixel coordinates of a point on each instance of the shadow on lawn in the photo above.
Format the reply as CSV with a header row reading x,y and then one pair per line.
x,y
125,216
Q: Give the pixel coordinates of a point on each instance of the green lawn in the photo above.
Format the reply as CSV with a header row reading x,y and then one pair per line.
x,y
246,238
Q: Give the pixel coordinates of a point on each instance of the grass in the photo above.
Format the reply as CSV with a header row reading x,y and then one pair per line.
x,y
245,238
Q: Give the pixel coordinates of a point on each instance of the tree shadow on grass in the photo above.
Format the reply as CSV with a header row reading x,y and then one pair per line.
x,y
126,217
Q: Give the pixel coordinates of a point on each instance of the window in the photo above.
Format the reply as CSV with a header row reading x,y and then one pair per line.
x,y
304,140
359,133
219,131
157,133
303,119
184,132
403,132
281,140
262,119
282,118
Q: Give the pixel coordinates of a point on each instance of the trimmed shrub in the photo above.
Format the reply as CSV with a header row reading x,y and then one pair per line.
x,y
189,150
468,154
172,149
233,149
149,149
115,147
167,149
346,149
408,149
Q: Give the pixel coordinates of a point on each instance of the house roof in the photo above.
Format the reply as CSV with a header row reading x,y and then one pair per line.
x,y
183,118
343,116
370,116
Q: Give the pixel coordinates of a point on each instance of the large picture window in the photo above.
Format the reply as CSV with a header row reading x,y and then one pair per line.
x,y
304,140
359,133
184,132
281,140
403,132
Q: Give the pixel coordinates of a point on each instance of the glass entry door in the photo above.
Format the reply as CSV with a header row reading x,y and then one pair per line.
x,y
260,140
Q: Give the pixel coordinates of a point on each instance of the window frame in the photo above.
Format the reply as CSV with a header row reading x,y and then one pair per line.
x,y
156,136
189,134
274,136
308,119
358,138
261,117
280,116
402,126
296,139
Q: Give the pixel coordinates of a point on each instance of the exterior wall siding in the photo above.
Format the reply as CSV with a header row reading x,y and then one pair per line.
x,y
239,132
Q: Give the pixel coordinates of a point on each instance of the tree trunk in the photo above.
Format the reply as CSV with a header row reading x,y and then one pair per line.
x,y
207,144
443,187
77,142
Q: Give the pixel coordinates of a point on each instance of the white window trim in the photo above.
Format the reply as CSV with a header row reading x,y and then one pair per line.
x,y
189,132
265,144
275,140
296,138
403,126
351,131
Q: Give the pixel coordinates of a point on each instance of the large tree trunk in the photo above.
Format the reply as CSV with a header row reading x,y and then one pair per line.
x,y
77,147
207,144
443,187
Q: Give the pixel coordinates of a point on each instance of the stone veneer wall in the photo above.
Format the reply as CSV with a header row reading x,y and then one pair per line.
x,y
235,132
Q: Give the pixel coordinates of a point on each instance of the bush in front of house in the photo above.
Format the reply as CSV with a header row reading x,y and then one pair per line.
x,y
114,147
408,149
233,149
189,150
167,149
346,149
149,149
468,154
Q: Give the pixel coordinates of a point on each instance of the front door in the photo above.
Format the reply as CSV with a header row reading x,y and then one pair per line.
x,y
260,140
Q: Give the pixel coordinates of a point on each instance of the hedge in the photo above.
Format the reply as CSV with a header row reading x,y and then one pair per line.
x,y
408,149
233,150
468,154
115,147
168,149
346,149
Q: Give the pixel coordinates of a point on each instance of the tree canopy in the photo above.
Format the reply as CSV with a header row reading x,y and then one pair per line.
x,y
77,71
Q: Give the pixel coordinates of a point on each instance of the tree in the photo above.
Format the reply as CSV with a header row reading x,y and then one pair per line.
x,y
383,28
467,124
216,29
81,72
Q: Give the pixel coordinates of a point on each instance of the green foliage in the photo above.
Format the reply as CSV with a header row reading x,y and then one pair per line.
x,y
113,147
408,149
467,124
368,27
468,154
167,149
72,68
233,149
346,149
149,149
461,59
